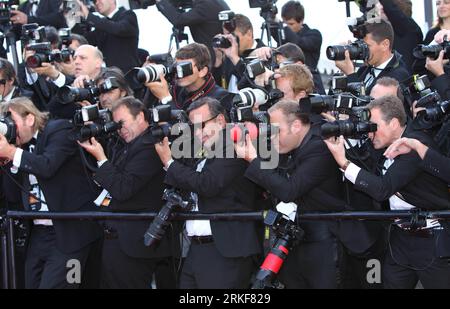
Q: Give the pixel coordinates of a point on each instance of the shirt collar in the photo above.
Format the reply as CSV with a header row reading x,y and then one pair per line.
x,y
113,13
10,95
384,64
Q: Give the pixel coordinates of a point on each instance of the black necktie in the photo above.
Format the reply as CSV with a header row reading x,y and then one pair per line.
x,y
370,78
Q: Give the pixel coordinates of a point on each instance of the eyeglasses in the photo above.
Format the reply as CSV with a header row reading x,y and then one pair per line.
x,y
3,81
204,123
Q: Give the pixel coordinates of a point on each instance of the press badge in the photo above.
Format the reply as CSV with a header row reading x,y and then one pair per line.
x,y
104,199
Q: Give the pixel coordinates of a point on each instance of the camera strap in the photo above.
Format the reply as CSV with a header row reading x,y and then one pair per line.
x,y
206,89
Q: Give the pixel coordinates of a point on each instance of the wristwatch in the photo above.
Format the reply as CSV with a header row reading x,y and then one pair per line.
x,y
346,164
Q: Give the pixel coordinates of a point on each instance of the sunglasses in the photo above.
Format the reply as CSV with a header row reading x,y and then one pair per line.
x,y
204,123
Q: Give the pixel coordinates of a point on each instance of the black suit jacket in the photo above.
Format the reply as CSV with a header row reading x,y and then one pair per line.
x,y
57,166
222,188
436,164
407,33
135,179
309,40
396,69
314,179
117,38
310,178
47,13
202,19
406,177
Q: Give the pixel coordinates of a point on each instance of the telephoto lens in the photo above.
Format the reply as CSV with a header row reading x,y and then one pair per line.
x,y
151,73
357,50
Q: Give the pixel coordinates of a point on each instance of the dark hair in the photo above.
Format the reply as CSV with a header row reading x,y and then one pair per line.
x,y
133,105
243,23
293,10
292,52
81,39
214,106
52,35
380,29
391,107
291,110
7,69
116,73
198,52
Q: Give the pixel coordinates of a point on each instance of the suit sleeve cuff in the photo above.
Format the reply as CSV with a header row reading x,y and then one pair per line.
x,y
100,163
17,160
60,81
351,173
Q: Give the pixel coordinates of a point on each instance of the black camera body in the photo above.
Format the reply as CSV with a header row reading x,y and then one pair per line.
x,y
288,234
415,88
90,122
8,128
433,51
44,54
356,127
435,113
5,10
228,21
167,122
317,104
358,50
32,34
65,34
175,200
221,42
91,92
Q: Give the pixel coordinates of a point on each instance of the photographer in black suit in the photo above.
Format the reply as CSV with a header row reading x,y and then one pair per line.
x,y
221,252
201,19
48,166
132,181
229,66
116,35
407,32
417,252
383,59
42,12
307,177
197,85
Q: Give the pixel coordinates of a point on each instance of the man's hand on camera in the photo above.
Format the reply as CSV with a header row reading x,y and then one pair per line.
x,y
84,12
337,149
79,81
263,53
436,66
164,152
94,148
7,150
439,37
49,70
263,79
18,17
415,110
232,52
219,57
346,66
246,150
159,89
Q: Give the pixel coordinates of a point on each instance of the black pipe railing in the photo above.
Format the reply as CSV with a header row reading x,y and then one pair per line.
x,y
8,248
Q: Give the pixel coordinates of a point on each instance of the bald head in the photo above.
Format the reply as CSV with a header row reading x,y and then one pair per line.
x,y
88,61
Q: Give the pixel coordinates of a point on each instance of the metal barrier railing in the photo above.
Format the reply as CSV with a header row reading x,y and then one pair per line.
x,y
7,231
